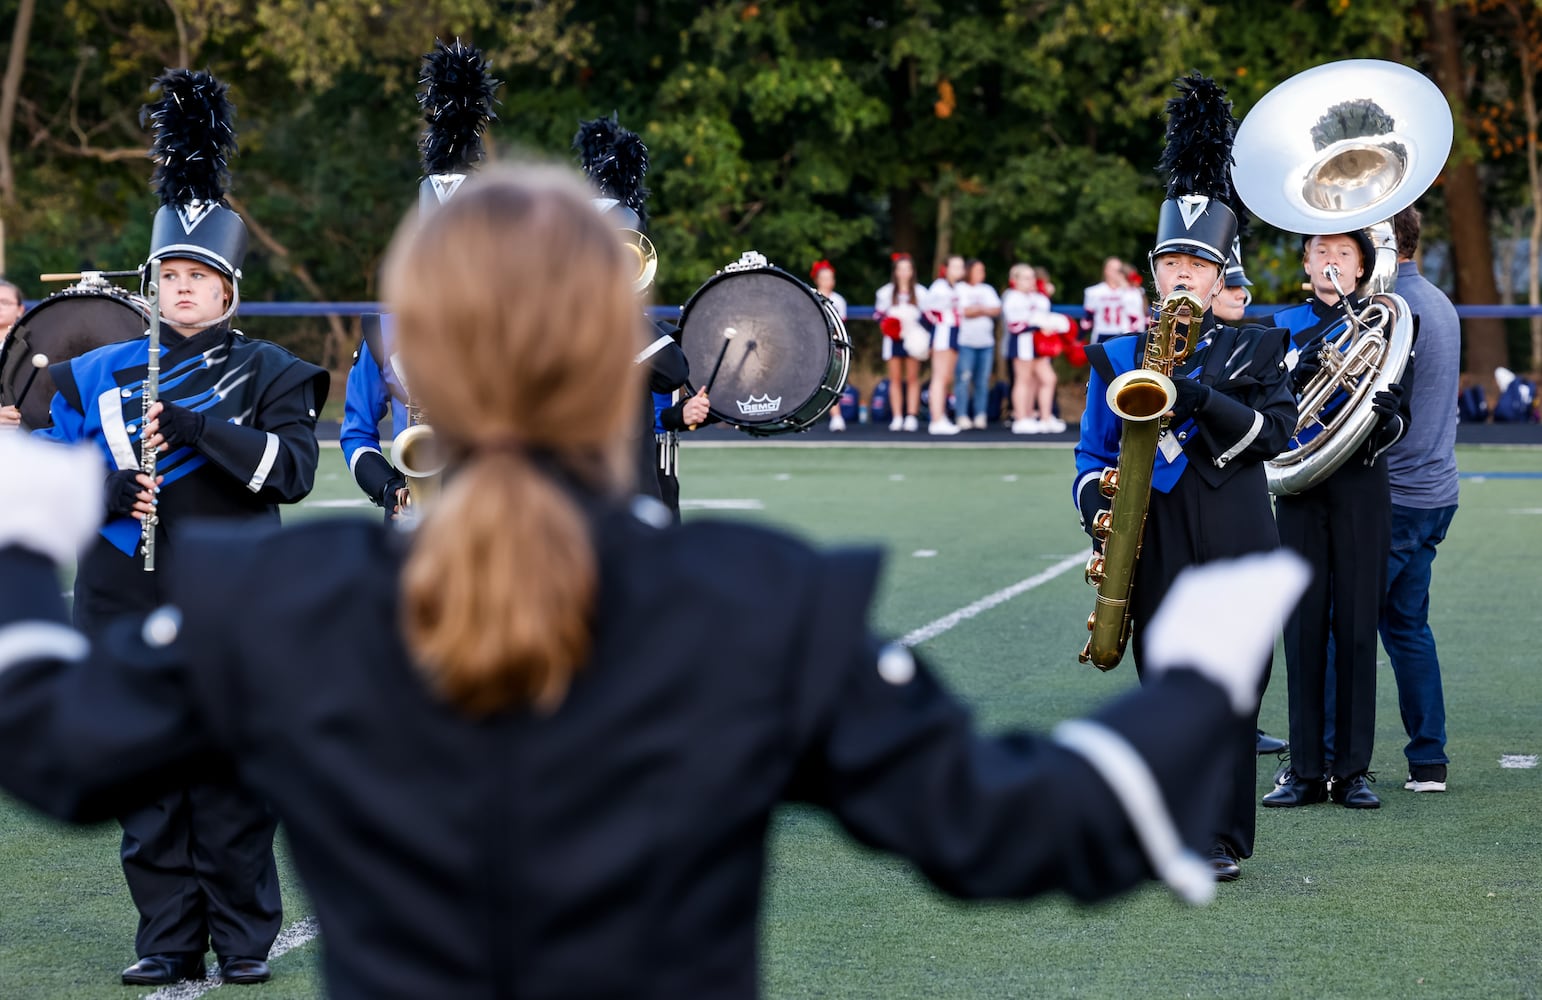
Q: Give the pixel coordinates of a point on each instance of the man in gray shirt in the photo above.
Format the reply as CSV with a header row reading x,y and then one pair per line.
x,y
1422,471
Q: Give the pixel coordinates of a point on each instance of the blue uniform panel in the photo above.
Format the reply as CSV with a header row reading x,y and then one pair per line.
x,y
370,397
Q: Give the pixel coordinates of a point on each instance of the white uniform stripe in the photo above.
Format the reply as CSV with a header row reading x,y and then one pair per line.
x,y
109,407
1247,439
40,641
1125,772
652,349
269,456
354,461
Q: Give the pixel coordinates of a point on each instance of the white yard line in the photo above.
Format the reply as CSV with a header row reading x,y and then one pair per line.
x,y
1518,760
301,932
933,629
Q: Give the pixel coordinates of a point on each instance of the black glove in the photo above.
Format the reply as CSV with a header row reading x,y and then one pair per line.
x,y
180,426
1192,397
1091,502
122,491
387,495
1307,366
1387,402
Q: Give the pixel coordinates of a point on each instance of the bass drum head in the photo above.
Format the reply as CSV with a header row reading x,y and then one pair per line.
x,y
62,327
779,357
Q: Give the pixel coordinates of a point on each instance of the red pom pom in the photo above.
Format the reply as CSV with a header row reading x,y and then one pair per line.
x,y
890,325
1075,353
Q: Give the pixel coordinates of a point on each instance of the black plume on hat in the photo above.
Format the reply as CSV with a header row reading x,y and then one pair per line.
x,y
193,140
193,136
616,161
1197,156
1197,218
457,99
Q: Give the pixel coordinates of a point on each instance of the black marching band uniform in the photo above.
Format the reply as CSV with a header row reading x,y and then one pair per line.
x,y
616,161
597,849
457,97
1343,528
240,419
1209,496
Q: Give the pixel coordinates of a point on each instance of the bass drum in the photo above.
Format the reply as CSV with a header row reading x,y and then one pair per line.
x,y
62,327
787,361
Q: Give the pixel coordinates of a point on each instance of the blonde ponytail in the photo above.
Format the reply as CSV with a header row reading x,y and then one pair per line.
x,y
517,325
498,597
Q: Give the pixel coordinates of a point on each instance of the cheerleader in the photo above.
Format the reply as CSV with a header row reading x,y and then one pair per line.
x,y
943,309
823,274
906,344
1026,311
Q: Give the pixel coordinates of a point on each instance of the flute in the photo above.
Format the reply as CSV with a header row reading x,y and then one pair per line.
x,y
152,395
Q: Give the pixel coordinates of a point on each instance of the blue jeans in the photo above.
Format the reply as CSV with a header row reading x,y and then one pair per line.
x,y
974,379
1405,630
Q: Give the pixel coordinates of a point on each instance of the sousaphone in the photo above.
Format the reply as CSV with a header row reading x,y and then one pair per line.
x,y
1338,148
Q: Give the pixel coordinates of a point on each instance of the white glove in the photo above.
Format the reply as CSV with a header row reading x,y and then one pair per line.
x,y
1221,619
50,496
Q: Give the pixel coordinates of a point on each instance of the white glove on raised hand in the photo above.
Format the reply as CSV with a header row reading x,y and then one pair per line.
x,y
1221,619
50,496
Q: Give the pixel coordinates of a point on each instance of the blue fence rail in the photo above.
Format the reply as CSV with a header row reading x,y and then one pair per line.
x,y
856,312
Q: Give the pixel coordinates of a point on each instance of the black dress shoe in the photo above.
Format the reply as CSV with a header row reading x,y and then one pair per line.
x,y
242,971
1267,744
161,970
1294,790
1224,863
1354,792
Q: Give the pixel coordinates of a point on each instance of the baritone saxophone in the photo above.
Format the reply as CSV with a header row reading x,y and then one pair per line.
x,y
1141,397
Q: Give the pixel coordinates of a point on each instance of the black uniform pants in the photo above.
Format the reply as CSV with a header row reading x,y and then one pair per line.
x,y
198,861
1196,523
1343,530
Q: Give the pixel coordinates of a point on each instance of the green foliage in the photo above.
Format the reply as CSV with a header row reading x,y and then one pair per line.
x,y
1023,129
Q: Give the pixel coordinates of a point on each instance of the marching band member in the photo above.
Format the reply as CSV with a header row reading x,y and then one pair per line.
x,y
1114,306
616,162
236,431
542,781
1027,314
1343,528
1230,307
457,100
897,307
11,308
1234,411
823,275
942,307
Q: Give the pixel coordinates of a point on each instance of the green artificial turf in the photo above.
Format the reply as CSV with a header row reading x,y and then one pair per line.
x,y
1430,896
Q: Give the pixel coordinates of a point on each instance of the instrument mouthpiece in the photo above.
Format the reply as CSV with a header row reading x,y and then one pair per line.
x,y
729,333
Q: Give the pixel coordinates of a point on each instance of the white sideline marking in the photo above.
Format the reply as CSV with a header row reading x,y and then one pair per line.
x,y
725,504
301,932
924,553
1009,479
360,502
898,477
946,622
782,477
1526,510
1518,760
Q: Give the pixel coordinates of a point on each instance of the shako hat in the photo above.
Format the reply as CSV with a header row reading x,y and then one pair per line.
x,y
456,92
192,141
1197,218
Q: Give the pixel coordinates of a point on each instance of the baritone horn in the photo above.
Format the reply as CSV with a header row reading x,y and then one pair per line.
x,y
1341,148
647,258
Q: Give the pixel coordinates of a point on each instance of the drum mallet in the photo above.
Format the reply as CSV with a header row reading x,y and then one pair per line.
x,y
39,362
729,333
